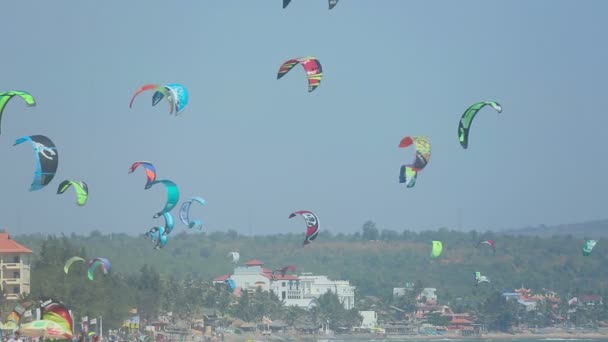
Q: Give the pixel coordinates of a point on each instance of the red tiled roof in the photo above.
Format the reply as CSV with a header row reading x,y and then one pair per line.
x,y
8,245
254,262
221,278
460,321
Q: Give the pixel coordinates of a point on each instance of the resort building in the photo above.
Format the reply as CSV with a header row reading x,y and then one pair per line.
x,y
15,267
293,290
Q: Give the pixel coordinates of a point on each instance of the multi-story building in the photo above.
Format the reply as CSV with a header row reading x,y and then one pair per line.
x,y
15,267
293,290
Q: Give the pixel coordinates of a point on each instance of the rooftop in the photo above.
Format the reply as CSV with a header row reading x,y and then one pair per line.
x,y
8,245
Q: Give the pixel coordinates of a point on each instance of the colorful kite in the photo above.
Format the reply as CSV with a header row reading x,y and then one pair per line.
x,y
312,224
436,249
81,188
70,261
172,196
157,88
489,243
8,95
184,213
314,71
178,94
47,159
332,3
423,150
467,119
150,171
96,262
588,247
408,175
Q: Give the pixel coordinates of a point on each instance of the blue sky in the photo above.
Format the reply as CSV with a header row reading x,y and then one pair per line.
x,y
257,149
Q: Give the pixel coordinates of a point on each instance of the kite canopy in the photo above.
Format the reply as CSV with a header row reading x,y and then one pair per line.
x,y
588,247
105,264
157,88
70,261
423,150
172,196
312,66
169,222
332,3
235,256
81,188
150,171
56,312
467,119
184,213
436,249
312,224
8,95
408,175
47,159
489,243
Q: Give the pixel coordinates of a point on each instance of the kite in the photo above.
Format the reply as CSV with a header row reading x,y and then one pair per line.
x,y
158,236
184,213
56,312
81,188
235,256
314,71
467,119
481,279
8,95
312,224
158,88
172,196
70,261
589,244
423,150
169,222
408,175
437,248
96,262
332,3
47,159
489,243
150,171
179,97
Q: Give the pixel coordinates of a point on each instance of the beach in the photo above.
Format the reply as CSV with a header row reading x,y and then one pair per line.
x,y
521,336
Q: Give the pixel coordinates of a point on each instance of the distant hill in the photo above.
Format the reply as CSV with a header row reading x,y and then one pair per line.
x,y
590,229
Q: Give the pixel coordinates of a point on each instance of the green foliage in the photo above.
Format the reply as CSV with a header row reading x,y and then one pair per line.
x,y
178,277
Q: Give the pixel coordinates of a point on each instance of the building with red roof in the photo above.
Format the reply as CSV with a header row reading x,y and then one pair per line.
x,y
14,267
292,289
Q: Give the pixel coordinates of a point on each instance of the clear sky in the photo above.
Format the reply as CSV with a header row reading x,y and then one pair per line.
x,y
258,148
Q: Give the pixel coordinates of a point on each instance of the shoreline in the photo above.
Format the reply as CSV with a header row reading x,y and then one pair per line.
x,y
375,337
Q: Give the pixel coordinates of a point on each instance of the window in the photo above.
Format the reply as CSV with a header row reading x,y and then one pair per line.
x,y
16,259
283,284
283,295
16,275
16,290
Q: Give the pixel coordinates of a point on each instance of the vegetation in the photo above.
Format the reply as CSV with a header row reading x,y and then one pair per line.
x,y
178,278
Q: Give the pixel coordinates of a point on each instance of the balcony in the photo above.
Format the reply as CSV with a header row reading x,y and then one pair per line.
x,y
11,281
12,296
11,265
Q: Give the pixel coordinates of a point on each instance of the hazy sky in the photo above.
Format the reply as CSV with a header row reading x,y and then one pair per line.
x,y
258,148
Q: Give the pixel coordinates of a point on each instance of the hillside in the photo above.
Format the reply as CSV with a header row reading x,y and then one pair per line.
x,y
374,266
591,229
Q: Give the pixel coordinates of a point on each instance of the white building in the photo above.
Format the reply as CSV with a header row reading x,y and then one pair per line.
x,y
301,291
370,319
429,294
